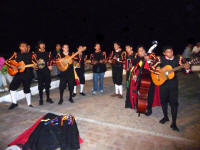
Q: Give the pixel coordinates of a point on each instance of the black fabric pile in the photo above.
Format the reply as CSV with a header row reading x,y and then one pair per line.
x,y
48,136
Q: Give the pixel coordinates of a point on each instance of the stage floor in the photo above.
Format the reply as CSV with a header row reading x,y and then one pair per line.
x,y
104,123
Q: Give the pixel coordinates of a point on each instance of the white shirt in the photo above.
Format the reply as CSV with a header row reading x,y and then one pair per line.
x,y
196,50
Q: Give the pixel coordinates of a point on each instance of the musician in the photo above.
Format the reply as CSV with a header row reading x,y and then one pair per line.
x,y
66,77
79,64
129,56
58,50
169,90
44,75
23,78
116,59
141,59
98,60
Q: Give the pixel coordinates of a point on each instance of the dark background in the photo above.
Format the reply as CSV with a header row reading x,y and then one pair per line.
x,y
76,22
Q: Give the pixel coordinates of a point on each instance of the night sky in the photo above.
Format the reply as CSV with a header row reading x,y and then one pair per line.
x,y
171,22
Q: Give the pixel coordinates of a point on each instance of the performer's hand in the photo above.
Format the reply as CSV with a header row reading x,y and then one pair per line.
x,y
101,61
187,65
147,58
110,61
94,62
157,71
115,57
50,68
35,67
13,67
134,78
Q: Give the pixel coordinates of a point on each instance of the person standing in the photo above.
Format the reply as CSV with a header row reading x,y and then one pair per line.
x,y
116,59
196,49
169,90
141,63
187,54
5,77
98,60
129,57
67,76
43,74
23,78
79,64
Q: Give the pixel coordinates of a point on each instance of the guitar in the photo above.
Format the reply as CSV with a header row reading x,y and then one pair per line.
x,y
15,67
63,63
77,64
167,72
114,60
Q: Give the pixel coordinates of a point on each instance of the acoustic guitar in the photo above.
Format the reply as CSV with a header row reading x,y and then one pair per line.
x,y
63,63
15,67
167,72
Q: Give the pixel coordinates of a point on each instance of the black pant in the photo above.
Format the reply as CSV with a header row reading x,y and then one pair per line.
x,y
44,82
23,78
81,75
169,94
150,96
117,74
64,80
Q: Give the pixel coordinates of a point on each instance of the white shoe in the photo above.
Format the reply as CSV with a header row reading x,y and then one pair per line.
x,y
2,90
101,91
94,92
6,89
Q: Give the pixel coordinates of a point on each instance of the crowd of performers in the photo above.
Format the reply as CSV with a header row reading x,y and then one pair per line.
x,y
134,62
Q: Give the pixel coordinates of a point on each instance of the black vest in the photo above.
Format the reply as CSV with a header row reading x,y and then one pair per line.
x,y
27,59
45,57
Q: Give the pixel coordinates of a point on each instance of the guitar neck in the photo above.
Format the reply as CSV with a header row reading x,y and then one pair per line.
x,y
73,55
176,69
182,66
29,65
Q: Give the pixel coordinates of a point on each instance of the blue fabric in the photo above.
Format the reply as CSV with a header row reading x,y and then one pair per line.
x,y
98,78
0,80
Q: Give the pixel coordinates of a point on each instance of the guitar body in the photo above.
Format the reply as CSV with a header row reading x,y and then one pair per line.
x,y
143,93
21,66
161,78
18,67
13,71
64,63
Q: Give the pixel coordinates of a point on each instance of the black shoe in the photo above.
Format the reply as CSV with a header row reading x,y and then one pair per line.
x,y
12,106
30,105
50,101
41,102
71,100
60,102
148,113
174,127
74,94
83,94
163,120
